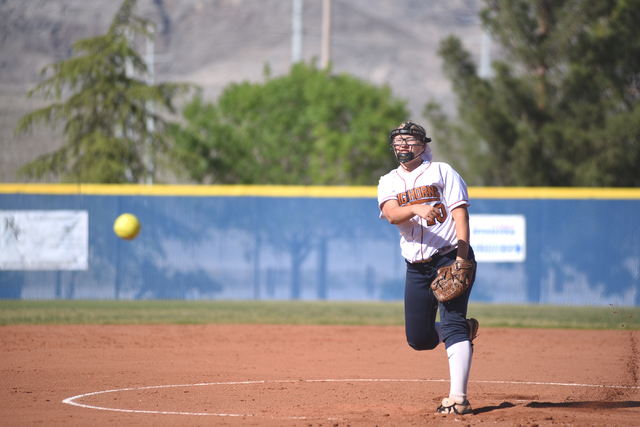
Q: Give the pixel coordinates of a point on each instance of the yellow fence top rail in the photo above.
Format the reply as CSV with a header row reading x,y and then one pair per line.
x,y
308,191
191,190
553,193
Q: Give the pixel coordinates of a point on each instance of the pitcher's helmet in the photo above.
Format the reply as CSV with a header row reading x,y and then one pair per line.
x,y
408,129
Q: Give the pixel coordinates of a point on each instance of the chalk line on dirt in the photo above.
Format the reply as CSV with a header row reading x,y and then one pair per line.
x,y
72,400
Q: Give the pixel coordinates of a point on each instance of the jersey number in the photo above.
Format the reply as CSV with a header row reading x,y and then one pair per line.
x,y
442,215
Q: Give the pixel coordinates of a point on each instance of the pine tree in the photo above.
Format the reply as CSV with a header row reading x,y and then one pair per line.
x,y
105,106
563,107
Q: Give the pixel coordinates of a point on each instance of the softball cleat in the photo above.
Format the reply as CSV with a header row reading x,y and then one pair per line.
x,y
474,325
449,406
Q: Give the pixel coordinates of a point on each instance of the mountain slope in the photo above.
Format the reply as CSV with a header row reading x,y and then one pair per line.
x,y
215,42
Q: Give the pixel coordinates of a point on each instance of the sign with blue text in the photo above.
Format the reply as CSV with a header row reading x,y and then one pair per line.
x,y
498,238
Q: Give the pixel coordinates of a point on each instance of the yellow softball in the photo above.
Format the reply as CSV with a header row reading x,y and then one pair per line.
x,y
127,226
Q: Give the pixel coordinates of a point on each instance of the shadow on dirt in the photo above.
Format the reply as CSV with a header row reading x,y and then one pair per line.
x,y
484,409
574,405
588,405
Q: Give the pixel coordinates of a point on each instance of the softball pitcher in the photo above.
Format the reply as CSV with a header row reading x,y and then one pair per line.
x,y
428,203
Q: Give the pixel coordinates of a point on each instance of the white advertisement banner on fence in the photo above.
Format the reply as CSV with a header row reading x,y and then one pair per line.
x,y
499,238
44,240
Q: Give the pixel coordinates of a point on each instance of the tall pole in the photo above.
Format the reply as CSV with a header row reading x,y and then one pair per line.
x,y
127,132
485,56
325,52
150,123
128,64
296,41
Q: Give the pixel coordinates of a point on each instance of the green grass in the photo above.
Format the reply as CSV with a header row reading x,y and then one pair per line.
x,y
563,317
198,312
18,312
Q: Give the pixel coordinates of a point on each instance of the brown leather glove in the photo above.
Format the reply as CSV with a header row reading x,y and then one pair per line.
x,y
453,280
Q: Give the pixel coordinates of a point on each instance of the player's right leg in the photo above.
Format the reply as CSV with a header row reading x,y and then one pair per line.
x,y
420,308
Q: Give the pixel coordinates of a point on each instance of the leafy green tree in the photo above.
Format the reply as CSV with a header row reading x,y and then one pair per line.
x,y
563,106
104,108
306,128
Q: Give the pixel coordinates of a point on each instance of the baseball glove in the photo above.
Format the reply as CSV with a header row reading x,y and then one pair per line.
x,y
453,280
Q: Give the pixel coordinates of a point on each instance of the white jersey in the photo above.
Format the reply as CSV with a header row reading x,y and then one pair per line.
x,y
437,184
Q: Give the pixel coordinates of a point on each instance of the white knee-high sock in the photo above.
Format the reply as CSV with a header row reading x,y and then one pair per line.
x,y
459,367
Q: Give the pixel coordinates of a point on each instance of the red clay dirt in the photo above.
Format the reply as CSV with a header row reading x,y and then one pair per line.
x,y
285,375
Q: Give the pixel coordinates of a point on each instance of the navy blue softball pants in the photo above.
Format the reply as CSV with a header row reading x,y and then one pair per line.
x,y
421,306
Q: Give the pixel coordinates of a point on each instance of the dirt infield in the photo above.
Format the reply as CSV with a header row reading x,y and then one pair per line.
x,y
281,375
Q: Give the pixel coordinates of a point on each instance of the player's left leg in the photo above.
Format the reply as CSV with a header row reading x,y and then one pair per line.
x,y
456,331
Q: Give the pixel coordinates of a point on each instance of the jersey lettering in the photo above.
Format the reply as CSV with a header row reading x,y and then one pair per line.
x,y
424,194
442,215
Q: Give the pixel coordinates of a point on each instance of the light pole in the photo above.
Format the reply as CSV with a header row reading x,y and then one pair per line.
x,y
325,52
296,41
150,123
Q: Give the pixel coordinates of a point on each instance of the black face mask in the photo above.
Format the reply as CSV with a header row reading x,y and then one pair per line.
x,y
407,157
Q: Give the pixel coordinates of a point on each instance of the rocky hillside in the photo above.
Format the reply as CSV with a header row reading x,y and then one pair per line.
x,y
215,42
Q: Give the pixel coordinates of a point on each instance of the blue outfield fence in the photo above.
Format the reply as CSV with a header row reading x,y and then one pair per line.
x,y
320,243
